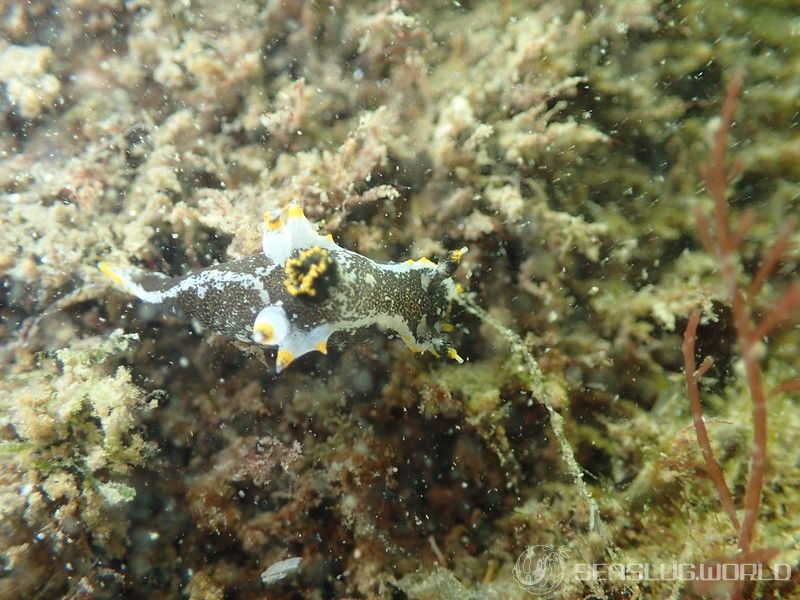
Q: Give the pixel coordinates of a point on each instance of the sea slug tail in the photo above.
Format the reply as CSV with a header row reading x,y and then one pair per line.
x,y
149,287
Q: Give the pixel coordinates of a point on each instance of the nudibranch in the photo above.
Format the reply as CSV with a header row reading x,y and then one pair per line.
x,y
303,288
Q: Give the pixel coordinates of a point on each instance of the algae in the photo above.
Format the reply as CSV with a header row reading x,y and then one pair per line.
x,y
559,141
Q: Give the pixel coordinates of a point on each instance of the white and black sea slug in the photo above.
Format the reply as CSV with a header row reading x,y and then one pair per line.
x,y
302,289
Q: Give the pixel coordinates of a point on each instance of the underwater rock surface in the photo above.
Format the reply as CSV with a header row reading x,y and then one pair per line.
x,y
560,142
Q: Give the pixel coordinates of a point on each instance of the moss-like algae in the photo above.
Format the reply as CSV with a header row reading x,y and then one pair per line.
x,y
71,450
558,140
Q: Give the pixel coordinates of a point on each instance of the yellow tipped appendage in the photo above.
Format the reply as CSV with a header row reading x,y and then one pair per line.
x,y
456,255
294,212
412,345
108,270
273,224
263,333
283,359
451,353
420,261
290,212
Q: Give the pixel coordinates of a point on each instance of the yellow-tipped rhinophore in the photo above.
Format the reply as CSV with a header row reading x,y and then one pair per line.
x,y
294,211
273,224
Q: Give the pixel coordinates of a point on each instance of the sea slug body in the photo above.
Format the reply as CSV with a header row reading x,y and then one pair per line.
x,y
304,288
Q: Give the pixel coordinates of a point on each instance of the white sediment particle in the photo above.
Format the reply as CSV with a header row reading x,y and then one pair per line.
x,y
281,570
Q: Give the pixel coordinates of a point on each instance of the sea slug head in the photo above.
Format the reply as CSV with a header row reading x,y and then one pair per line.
x,y
433,329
